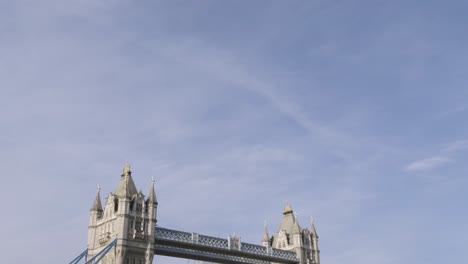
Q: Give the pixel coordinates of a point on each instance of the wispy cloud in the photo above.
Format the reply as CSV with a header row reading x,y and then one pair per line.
x,y
427,164
233,117
456,146
452,111
263,153
444,157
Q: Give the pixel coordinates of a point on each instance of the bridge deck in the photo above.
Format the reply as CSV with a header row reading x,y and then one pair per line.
x,y
206,248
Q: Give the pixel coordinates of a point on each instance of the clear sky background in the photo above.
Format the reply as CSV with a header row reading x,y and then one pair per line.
x,y
352,111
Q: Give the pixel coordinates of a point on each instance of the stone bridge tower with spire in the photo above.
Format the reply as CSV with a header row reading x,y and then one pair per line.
x,y
290,236
128,216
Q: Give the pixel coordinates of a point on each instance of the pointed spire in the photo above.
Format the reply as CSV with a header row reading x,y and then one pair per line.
x,y
296,227
287,209
126,170
126,187
152,194
97,201
312,228
266,238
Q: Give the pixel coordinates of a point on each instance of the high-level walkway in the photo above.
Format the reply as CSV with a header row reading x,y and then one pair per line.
x,y
176,243
125,231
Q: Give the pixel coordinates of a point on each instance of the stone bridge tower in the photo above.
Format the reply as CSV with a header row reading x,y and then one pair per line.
x,y
128,216
290,236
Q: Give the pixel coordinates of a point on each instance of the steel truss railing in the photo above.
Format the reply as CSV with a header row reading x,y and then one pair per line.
x,y
195,246
175,251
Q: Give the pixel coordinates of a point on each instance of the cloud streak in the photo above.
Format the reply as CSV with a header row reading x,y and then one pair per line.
x,y
427,164
232,118
456,146
446,156
452,111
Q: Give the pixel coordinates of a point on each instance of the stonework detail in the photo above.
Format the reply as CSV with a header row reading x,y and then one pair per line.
x,y
128,216
290,236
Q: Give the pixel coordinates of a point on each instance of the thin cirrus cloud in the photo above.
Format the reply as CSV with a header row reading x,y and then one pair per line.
x,y
427,164
446,156
452,111
234,118
456,146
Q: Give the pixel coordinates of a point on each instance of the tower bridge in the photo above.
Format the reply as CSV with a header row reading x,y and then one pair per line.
x,y
124,231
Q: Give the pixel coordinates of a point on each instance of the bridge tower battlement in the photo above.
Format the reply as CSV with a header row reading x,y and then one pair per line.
x,y
128,216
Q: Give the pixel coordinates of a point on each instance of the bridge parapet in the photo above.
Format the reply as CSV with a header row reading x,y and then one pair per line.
x,y
213,241
268,251
195,239
173,235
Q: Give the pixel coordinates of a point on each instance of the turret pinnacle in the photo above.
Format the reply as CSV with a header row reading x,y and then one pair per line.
x,y
152,194
126,187
312,228
266,238
97,201
296,227
126,170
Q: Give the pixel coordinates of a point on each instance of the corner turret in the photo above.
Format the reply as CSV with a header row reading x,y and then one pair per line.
x,y
97,206
152,194
95,215
266,238
315,252
151,207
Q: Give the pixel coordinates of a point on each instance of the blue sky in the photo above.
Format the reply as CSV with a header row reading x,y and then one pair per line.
x,y
352,111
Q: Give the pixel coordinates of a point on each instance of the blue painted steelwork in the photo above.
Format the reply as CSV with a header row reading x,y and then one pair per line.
x,y
212,249
102,253
97,257
77,259
203,255
195,246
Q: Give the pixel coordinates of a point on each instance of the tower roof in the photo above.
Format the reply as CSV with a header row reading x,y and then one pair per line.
x,y
289,222
126,187
97,206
